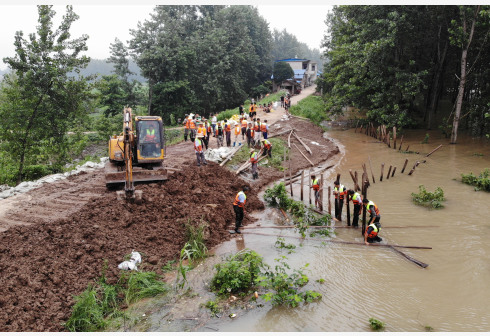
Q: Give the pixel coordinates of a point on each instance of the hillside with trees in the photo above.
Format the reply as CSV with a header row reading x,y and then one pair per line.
x,y
404,64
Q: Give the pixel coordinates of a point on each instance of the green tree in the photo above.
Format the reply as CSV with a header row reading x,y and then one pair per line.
x,y
41,98
282,71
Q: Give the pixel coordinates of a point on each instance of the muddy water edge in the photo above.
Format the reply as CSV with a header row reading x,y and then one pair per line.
x,y
361,282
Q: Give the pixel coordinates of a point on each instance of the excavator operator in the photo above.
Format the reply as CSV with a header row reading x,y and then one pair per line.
x,y
151,146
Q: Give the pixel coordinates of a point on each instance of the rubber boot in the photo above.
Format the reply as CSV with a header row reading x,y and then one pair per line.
x,y
234,142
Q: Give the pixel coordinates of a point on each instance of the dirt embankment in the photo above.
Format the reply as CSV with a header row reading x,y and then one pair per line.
x,y
55,238
45,264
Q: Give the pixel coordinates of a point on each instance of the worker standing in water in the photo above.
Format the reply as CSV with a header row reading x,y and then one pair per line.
x,y
238,207
356,198
339,193
316,188
372,229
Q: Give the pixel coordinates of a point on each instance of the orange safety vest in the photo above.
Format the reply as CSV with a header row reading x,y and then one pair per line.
x,y
316,185
192,124
375,207
340,192
267,144
209,130
237,129
257,127
251,108
198,145
373,233
188,123
201,130
356,198
253,157
237,202
244,123
252,132
227,128
263,127
150,135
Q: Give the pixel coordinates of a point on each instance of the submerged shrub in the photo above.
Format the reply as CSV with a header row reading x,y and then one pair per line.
x,y
428,199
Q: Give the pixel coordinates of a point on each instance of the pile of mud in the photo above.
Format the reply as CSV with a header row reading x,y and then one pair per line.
x,y
44,265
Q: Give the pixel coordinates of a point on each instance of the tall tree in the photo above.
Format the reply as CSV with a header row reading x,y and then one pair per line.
x,y
282,71
42,99
462,31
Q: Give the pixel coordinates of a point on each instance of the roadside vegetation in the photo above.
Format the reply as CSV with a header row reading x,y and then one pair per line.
x,y
275,162
312,107
481,182
429,199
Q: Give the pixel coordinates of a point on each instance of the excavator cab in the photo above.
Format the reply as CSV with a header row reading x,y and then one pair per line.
x,y
136,156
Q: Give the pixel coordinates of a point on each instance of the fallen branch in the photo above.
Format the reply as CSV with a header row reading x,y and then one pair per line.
x,y
434,150
312,164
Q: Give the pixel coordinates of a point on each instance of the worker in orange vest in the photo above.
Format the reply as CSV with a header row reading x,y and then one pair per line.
x,y
250,135
209,131
264,128
244,123
199,151
372,230
315,185
267,146
339,192
254,159
219,134
257,129
192,127
228,133
237,135
356,199
187,126
239,208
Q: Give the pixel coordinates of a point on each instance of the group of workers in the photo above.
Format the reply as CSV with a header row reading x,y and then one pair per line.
x,y
341,193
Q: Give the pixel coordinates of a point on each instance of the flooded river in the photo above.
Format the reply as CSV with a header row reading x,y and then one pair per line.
x,y
451,294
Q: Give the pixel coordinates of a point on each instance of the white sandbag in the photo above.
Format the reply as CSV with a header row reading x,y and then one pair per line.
x,y
128,266
275,104
135,257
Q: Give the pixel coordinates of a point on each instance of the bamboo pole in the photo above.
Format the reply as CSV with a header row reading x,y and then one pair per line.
x,y
312,164
382,168
389,171
404,165
401,143
434,150
371,168
302,180
341,241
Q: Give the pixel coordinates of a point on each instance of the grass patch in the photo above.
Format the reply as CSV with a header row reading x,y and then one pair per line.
x,y
213,307
100,301
276,161
482,182
376,325
312,107
173,136
428,199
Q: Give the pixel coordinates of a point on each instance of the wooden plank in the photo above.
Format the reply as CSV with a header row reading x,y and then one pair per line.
x,y
304,145
228,158
340,241
312,164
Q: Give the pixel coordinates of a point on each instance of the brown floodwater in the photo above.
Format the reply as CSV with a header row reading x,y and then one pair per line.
x,y
451,294
361,282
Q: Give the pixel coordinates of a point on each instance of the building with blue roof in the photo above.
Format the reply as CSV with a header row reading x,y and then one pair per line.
x,y
305,74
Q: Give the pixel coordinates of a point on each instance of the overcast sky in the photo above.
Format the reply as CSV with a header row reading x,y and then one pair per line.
x,y
103,23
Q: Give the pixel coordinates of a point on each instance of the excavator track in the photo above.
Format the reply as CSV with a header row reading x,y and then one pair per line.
x,y
115,175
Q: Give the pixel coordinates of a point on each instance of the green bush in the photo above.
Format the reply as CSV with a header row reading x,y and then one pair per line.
x,y
482,182
173,136
34,172
238,273
428,199
277,196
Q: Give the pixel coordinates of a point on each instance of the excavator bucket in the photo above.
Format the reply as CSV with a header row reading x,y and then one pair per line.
x,y
115,175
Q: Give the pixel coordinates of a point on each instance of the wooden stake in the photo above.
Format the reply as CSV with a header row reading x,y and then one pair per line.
x,y
302,178
388,140
394,137
356,187
403,169
321,193
393,174
382,168
434,150
389,171
356,126
365,172
413,169
309,187
401,143
371,167
329,203
406,150
346,199
290,173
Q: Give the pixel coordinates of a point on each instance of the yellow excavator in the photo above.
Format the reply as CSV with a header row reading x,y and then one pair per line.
x,y
136,155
